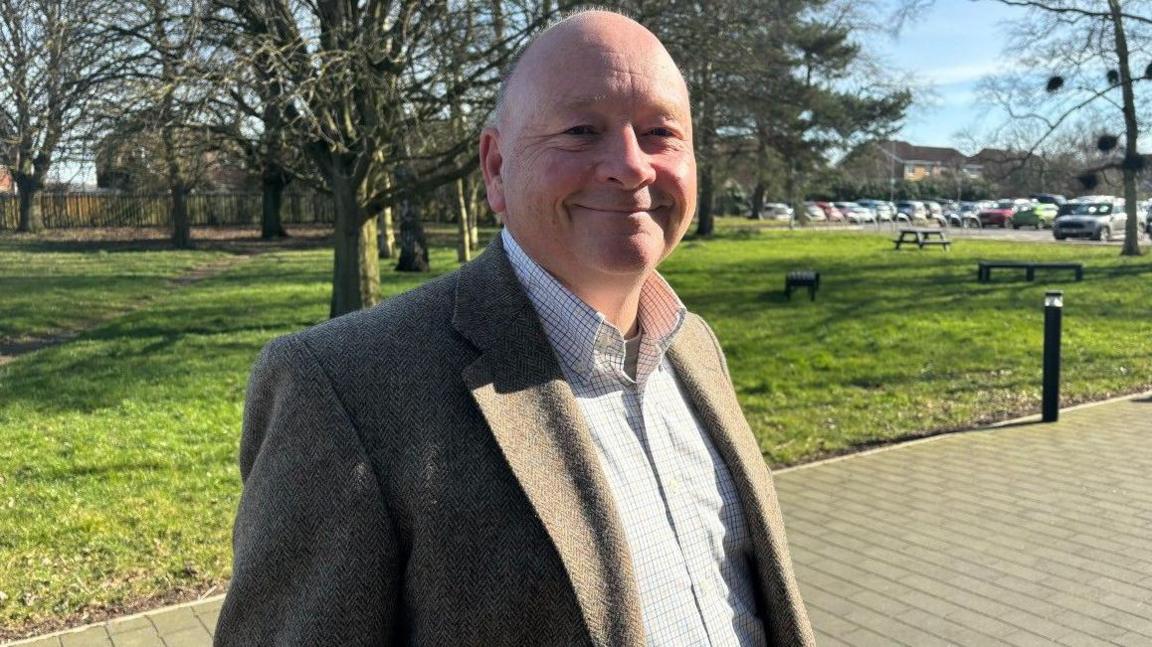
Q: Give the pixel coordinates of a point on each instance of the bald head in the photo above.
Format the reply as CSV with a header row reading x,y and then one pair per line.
x,y
590,160
554,50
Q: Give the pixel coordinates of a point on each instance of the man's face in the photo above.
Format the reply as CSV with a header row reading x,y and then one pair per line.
x,y
592,164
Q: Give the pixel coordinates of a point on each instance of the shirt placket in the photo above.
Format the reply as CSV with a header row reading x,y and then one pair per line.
x,y
684,626
691,538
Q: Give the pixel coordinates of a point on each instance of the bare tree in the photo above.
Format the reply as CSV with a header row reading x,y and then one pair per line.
x,y
163,94
361,87
1085,50
55,61
248,112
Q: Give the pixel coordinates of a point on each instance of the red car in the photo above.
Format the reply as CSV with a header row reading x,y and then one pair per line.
x,y
831,212
1001,214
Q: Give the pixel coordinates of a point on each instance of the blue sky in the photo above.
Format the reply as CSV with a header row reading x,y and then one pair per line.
x,y
949,48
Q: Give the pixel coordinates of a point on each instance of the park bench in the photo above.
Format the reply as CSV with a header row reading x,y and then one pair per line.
x,y
923,237
984,268
802,279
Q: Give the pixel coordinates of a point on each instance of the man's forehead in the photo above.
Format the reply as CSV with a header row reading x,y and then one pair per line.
x,y
585,76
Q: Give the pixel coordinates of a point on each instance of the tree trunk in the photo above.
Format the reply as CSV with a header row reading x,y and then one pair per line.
x,y
273,177
1131,153
386,234
474,213
181,224
177,188
799,214
386,231
706,224
356,264
271,200
413,246
31,217
758,201
473,229
464,242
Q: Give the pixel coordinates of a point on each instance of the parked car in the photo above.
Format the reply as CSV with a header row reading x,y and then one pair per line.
x,y
777,211
966,215
814,212
1098,218
884,210
936,213
911,211
1001,214
856,213
830,211
1040,216
1048,198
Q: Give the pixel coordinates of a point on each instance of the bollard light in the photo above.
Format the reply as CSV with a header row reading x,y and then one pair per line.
x,y
1053,310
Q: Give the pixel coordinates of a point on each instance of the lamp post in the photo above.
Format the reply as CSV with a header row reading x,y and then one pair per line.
x,y
1053,312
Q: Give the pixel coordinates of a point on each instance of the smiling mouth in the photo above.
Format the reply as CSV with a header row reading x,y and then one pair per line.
x,y
617,209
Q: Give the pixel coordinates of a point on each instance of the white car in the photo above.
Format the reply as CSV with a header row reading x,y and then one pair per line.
x,y
856,213
777,211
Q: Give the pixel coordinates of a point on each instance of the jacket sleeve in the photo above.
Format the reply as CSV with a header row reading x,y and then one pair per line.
x,y
315,560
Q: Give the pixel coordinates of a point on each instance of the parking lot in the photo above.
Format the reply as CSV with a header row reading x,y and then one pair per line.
x,y
997,233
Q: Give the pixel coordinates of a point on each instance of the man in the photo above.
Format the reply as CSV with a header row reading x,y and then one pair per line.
x,y
542,448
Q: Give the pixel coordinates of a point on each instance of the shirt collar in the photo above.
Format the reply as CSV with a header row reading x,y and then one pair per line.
x,y
585,342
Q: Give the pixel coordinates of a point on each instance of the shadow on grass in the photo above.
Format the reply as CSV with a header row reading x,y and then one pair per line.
x,y
55,476
140,241
170,353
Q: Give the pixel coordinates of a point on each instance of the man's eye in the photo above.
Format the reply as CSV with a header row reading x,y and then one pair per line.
x,y
580,130
662,132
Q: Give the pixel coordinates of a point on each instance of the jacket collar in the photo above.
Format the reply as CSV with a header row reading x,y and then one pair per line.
x,y
695,356
520,388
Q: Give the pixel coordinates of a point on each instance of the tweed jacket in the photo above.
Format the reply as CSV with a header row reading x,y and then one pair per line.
x,y
420,473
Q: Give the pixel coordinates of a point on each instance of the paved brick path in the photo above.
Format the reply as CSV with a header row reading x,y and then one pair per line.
x,y
1023,535
185,625
1035,534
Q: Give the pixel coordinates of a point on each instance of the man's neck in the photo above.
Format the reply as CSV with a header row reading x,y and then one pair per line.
x,y
616,296
619,307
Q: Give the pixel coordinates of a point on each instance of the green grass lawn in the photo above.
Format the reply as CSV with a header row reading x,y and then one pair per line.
x,y
118,479
905,342
48,289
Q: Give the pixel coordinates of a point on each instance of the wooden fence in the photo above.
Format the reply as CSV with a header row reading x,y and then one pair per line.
x,y
69,210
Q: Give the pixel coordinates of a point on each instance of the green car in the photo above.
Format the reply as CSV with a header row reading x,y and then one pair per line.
x,y
1039,216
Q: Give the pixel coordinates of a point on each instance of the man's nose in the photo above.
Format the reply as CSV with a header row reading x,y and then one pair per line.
x,y
625,161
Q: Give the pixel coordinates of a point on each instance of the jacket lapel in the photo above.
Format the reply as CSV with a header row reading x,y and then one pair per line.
x,y
695,356
519,387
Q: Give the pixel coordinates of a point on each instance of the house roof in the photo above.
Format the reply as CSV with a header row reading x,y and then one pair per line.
x,y
909,152
993,155
905,152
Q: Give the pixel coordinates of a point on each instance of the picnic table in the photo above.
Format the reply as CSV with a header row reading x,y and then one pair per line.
x,y
922,236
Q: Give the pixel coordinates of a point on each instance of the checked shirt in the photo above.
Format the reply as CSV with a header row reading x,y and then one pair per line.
x,y
681,512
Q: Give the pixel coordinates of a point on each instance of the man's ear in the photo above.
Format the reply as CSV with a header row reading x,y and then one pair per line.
x,y
491,163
